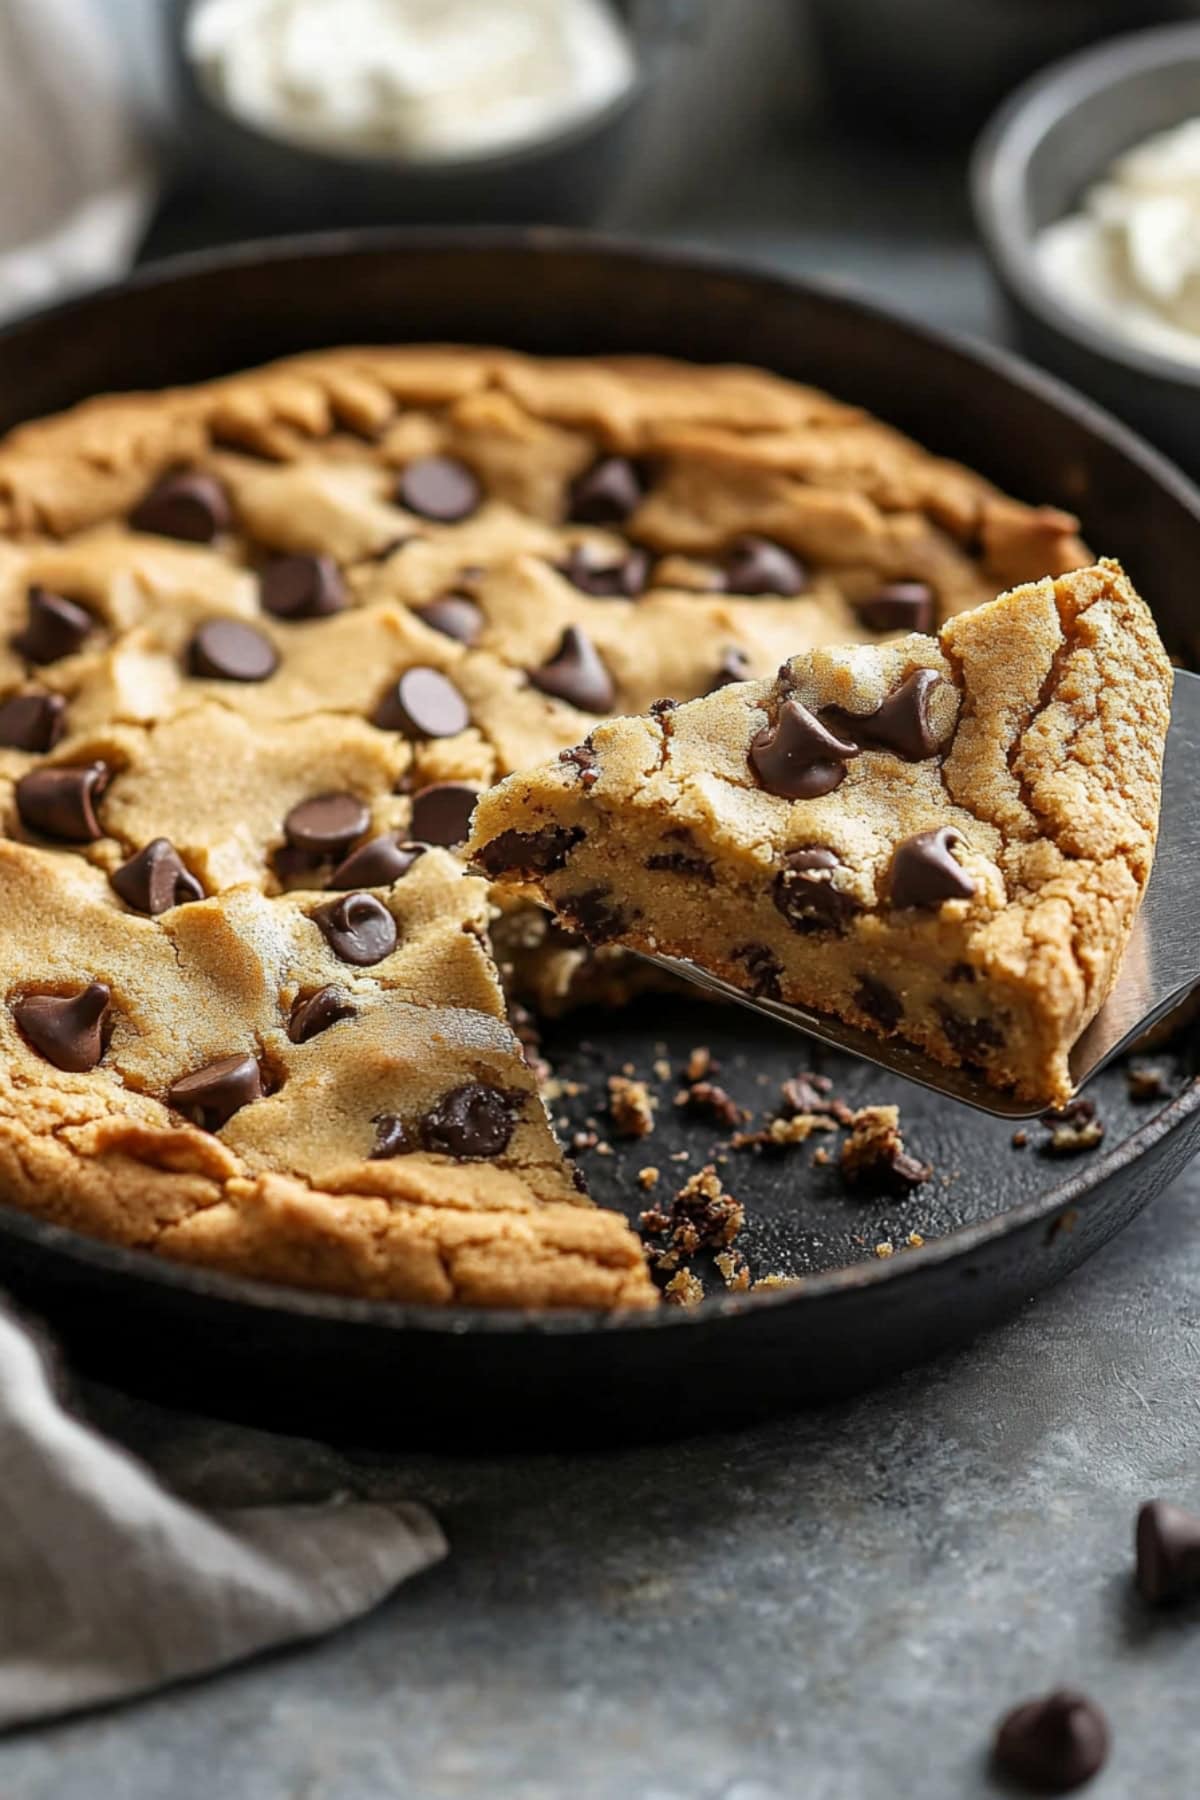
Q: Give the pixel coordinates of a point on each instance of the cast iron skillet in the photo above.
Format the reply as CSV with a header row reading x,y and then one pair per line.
x,y
999,1223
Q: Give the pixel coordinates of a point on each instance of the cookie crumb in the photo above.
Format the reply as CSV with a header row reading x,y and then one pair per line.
x,y
700,1063
734,1270
684,1289
875,1147
821,1156
631,1106
1073,1129
778,1134
1146,1081
706,1098
662,1069
1020,1139
915,1241
884,1250
648,1177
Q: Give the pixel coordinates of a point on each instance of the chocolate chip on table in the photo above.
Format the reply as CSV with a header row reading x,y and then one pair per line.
x,y
210,1096
924,873
898,606
456,616
422,704
227,650
54,627
622,579
439,488
326,825
756,565
1052,1745
804,891
530,852
797,758
471,1121
391,1139
377,863
317,1013
902,724
156,879
67,1029
576,674
606,493
441,813
188,505
879,1001
33,722
61,803
734,666
302,587
358,928
1168,1553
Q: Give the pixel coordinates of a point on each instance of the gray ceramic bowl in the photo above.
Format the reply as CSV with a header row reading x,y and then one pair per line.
x,y
1047,144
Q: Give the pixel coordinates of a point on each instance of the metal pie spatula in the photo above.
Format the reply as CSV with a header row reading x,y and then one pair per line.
x,y
1160,968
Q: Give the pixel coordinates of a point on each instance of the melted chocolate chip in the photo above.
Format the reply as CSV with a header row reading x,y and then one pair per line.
x,y
424,703
901,725
187,505
227,650
359,929
54,627
391,1139
327,825
441,813
623,579
67,1029
302,587
924,873
687,860
879,1002
734,666
377,863
660,708
1052,1745
156,879
318,1013
456,616
439,488
595,913
1168,1553
898,606
583,759
763,970
60,803
756,565
968,1038
471,1121
210,1096
32,722
797,758
805,894
530,852
606,493
576,674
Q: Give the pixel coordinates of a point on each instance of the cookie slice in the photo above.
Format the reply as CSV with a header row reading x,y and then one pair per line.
x,y
942,838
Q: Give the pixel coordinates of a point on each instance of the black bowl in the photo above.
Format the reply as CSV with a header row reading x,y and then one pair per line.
x,y
1044,148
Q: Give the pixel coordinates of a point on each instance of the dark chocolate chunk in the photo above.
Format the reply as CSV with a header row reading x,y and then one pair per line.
x,y
898,606
961,973
606,493
188,505
377,863
1052,1745
924,873
660,708
227,650
968,1038
763,970
211,1096
583,759
391,1139
530,852
805,894
318,1013
358,928
733,666
1168,1553
901,725
423,703
60,803
576,674
879,1002
683,862
807,1094
155,879
708,1100
473,1120
302,587
797,758
595,913
755,565
326,825
456,616
32,722
439,488
622,579
54,627
67,1029
441,813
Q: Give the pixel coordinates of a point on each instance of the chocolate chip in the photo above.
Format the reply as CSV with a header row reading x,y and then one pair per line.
x,y
804,891
327,825
156,879
1052,1745
961,972
210,1096
60,803
377,863
763,970
576,674
733,666
796,758
898,606
879,1002
583,759
924,873
806,1094
33,722
66,1028
54,627
606,493
473,1120
318,1013
439,488
756,565
902,724
595,913
302,587
530,852
359,929
1168,1553
227,650
187,505
623,579
455,616
424,703
441,813
710,1101
660,708
391,1139
968,1038
679,862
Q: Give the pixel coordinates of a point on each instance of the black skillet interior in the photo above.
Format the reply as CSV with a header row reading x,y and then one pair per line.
x,y
1019,1218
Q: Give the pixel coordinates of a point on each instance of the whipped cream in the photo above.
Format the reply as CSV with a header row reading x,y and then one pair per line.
x,y
1130,260
413,79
